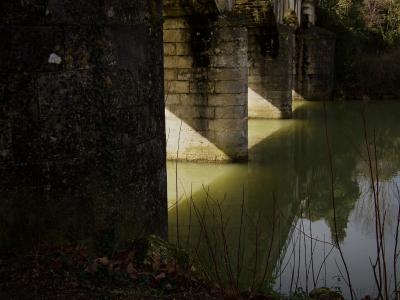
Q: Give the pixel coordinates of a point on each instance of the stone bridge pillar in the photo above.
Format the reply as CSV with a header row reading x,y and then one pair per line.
x,y
82,136
271,76
205,61
314,65
270,53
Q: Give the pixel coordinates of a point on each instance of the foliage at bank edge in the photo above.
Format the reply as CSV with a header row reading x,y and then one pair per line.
x,y
367,47
152,268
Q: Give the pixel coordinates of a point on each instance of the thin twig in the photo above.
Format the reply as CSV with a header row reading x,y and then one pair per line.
x,y
176,187
334,202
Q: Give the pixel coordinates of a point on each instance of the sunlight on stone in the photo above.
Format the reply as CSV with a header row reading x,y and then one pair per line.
x,y
261,108
192,145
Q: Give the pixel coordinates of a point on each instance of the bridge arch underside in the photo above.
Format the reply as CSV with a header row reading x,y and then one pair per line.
x,y
221,70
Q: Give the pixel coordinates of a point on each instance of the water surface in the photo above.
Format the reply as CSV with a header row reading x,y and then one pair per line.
x,y
275,213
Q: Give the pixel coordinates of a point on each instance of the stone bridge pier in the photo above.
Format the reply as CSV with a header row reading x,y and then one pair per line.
x,y
82,131
205,64
229,60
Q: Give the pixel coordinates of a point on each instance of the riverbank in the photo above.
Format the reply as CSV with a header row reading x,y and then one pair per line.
x,y
150,269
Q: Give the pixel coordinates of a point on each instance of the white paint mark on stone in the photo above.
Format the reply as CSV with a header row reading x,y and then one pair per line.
x,y
54,59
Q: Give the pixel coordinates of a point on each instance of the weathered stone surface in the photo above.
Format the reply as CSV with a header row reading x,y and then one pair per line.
x,y
200,98
175,23
254,10
270,78
16,48
229,112
227,73
177,87
232,60
229,87
82,132
314,65
179,62
228,99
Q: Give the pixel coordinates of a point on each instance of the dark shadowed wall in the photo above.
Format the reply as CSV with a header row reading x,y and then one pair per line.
x,y
82,136
314,65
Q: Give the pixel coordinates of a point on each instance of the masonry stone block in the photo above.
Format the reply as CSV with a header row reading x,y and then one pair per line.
x,y
182,49
224,61
194,99
179,62
228,99
314,65
228,112
176,36
211,87
170,74
169,48
229,87
270,78
176,23
177,87
227,73
200,86
185,74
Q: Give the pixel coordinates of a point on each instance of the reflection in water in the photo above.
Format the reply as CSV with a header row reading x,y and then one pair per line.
x,y
285,231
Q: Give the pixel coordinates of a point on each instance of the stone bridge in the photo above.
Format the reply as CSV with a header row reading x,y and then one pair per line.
x,y
226,61
82,122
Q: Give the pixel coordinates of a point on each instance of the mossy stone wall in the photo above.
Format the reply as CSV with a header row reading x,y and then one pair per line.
x,y
82,134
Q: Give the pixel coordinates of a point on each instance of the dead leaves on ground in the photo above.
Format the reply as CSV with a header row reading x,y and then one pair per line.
x,y
156,270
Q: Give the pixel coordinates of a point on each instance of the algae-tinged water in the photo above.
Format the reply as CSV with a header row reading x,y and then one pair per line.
x,y
285,189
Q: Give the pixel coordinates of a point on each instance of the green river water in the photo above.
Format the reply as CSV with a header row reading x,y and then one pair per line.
x,y
277,212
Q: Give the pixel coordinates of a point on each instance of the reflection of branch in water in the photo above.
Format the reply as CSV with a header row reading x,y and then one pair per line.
x,y
341,274
176,186
281,271
293,259
330,159
395,254
323,264
314,239
363,214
